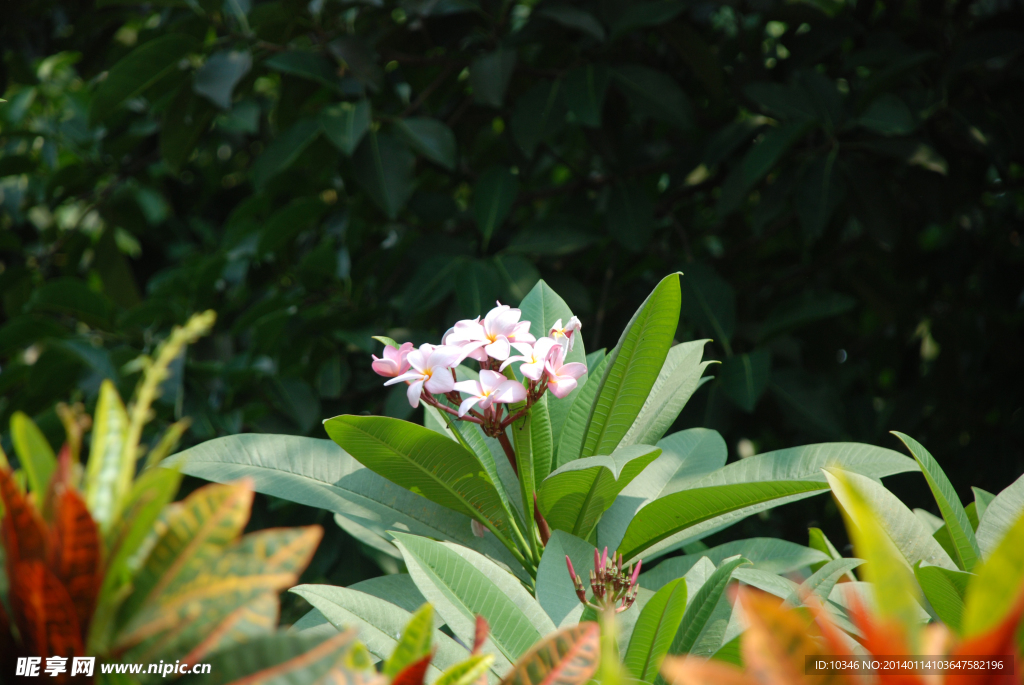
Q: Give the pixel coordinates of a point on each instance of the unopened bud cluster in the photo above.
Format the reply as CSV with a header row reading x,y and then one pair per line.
x,y
610,586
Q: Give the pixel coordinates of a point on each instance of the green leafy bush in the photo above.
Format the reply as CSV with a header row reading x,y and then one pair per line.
x,y
455,499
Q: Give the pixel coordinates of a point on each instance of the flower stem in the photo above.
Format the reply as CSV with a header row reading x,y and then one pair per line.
x,y
509,452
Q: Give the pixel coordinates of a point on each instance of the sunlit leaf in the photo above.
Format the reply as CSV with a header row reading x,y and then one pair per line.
x,y
633,368
957,523
461,584
429,464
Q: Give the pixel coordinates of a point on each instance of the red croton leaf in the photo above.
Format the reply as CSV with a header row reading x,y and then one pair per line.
x,y
44,612
24,533
480,633
75,556
999,641
414,673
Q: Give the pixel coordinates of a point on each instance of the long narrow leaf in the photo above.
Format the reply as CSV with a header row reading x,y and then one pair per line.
x,y
34,453
700,609
574,497
669,515
635,364
106,457
655,629
424,462
379,622
679,378
318,473
461,584
959,526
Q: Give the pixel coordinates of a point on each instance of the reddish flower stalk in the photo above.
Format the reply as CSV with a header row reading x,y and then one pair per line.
x,y
610,585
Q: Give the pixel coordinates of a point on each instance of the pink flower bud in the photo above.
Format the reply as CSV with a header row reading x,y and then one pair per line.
x,y
636,572
394,363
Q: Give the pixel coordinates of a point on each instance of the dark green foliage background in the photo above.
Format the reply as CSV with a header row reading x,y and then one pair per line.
x,y
841,183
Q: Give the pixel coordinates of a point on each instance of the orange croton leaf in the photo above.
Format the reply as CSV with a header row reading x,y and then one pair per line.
x,y
779,639
24,533
414,673
44,612
691,670
75,555
59,481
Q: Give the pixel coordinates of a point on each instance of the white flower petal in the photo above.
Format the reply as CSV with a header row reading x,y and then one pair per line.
x,y
510,392
413,393
440,382
409,376
467,404
469,387
491,380
499,349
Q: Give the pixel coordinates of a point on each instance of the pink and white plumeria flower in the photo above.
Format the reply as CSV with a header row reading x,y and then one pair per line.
x,y
533,357
430,371
491,337
559,332
492,388
561,376
394,362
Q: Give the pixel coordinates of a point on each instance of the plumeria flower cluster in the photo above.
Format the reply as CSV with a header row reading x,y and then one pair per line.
x,y
497,341
612,587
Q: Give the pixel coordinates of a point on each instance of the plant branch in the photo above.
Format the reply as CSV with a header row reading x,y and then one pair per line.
x,y
509,452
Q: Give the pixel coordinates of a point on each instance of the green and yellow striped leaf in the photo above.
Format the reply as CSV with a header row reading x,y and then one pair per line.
x,y
196,532
414,643
287,658
153,491
104,472
466,672
568,657
204,596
